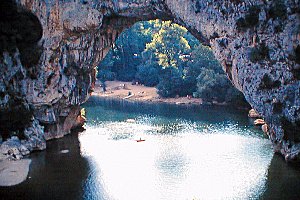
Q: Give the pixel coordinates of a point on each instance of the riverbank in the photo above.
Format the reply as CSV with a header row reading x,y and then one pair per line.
x,y
13,168
127,91
13,172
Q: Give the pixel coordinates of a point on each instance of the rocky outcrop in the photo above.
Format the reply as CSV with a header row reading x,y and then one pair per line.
x,y
49,50
14,149
253,114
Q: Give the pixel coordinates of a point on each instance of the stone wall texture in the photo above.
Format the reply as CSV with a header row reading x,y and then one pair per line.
x,y
50,48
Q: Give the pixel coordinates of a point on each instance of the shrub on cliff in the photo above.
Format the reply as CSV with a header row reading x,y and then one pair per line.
x,y
268,83
250,20
259,53
278,10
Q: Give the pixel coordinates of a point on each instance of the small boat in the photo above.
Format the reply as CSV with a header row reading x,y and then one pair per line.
x,y
140,140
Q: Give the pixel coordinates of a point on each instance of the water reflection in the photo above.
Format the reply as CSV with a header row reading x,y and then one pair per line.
x,y
180,159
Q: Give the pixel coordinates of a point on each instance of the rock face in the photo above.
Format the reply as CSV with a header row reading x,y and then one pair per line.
x,y
14,149
50,48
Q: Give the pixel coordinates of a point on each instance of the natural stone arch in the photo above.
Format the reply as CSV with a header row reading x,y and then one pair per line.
x,y
77,35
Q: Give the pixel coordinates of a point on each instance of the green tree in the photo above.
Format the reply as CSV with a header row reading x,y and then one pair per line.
x,y
148,74
170,82
125,55
169,44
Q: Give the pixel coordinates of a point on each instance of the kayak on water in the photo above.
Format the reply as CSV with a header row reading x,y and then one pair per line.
x,y
140,140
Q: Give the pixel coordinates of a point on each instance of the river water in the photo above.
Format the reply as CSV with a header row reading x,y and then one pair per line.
x,y
189,152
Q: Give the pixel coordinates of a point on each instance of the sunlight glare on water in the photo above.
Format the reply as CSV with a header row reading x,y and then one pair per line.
x,y
179,160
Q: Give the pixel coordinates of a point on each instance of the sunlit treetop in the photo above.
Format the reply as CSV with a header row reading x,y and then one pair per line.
x,y
169,43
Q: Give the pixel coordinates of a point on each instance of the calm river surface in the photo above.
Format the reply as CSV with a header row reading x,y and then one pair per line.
x,y
189,153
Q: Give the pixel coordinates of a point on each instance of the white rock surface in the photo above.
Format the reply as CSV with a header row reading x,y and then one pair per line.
x,y
13,172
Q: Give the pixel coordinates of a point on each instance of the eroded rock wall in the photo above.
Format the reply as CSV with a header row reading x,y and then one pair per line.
x,y
256,41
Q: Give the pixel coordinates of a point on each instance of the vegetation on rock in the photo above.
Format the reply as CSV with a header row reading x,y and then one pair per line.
x,y
268,83
259,53
278,10
250,20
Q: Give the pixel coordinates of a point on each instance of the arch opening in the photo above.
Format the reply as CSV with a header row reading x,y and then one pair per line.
x,y
167,56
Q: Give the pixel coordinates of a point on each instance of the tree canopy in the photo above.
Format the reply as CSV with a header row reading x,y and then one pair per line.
x,y
169,44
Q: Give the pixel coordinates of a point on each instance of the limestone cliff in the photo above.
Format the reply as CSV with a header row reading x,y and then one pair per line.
x,y
49,49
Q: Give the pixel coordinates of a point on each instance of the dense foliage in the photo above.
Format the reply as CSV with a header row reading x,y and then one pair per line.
x,y
163,54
